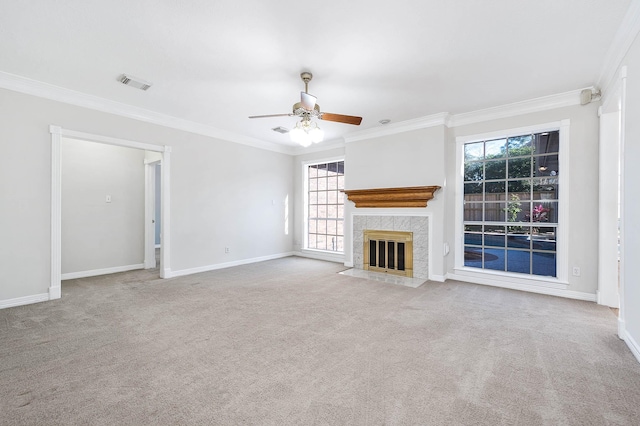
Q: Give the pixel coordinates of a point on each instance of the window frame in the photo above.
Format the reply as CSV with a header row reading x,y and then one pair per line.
x,y
305,191
562,234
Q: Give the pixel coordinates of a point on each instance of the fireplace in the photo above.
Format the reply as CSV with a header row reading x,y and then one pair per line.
x,y
416,226
388,251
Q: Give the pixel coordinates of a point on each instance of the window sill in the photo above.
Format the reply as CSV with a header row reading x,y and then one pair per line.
x,y
497,277
330,256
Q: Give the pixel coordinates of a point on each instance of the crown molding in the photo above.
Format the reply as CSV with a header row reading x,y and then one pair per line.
x,y
60,94
444,118
439,119
517,108
624,38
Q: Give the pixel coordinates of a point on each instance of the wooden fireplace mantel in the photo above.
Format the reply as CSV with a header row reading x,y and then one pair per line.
x,y
413,196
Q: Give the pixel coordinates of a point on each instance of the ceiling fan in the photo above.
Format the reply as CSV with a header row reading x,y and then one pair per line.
x,y
307,108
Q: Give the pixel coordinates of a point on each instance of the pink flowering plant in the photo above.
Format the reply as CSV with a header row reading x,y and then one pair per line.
x,y
540,214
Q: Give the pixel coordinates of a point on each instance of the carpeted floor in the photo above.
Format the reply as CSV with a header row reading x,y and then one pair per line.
x,y
291,342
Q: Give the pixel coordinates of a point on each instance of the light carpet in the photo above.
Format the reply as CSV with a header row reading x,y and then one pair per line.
x,y
292,342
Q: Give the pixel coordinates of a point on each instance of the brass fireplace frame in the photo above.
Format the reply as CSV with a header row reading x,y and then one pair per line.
x,y
389,236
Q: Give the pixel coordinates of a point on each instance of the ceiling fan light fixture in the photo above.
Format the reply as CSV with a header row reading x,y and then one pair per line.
x,y
316,134
306,132
299,136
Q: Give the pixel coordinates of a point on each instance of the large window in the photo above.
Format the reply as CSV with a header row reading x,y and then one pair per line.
x,y
325,208
510,212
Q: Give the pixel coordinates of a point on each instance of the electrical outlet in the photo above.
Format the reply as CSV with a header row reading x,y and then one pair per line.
x,y
226,249
576,271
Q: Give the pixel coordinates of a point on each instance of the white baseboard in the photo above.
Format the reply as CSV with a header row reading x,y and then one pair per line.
x,y
348,264
439,278
319,255
633,345
621,330
552,291
182,272
610,302
105,271
26,300
55,293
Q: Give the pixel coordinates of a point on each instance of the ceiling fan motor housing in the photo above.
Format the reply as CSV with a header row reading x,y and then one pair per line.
x,y
299,109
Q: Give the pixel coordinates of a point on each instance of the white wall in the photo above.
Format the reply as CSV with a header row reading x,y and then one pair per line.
x,y
582,189
97,234
221,192
631,219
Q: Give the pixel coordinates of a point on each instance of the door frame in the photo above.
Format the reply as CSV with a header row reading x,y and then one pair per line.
x,y
150,171
57,133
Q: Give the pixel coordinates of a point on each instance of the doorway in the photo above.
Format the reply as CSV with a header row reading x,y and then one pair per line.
x,y
57,133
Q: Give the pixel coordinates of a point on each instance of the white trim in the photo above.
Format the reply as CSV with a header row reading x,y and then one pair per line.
x,y
60,94
632,344
623,189
57,133
149,213
44,90
157,246
305,195
165,214
544,103
104,271
56,212
523,286
510,277
439,119
562,249
348,264
207,268
608,203
624,38
25,300
439,278
55,293
89,137
321,255
529,106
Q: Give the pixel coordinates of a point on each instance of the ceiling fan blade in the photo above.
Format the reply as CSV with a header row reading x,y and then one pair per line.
x,y
348,119
308,101
271,115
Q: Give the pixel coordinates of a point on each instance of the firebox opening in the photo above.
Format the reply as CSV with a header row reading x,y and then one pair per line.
x,y
389,251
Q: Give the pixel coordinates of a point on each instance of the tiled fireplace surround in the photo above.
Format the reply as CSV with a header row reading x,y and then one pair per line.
x,y
419,225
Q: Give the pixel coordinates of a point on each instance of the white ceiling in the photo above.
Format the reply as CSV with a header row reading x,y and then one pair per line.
x,y
217,62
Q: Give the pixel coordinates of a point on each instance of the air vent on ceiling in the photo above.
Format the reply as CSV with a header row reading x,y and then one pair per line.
x,y
280,129
136,82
